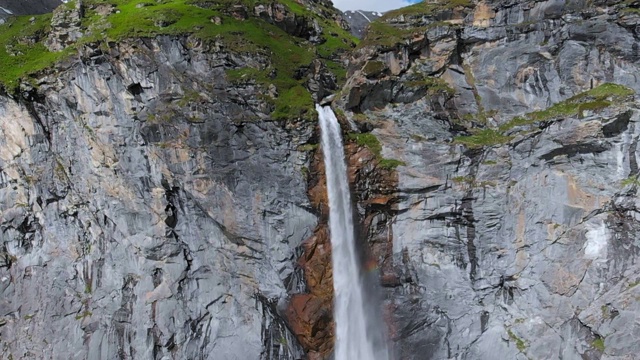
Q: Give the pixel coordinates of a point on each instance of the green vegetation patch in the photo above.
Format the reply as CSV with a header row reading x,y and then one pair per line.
x,y
373,68
433,85
386,35
214,21
22,50
294,102
390,164
383,32
84,315
429,8
484,137
367,140
308,147
371,142
631,180
134,18
595,99
520,344
598,344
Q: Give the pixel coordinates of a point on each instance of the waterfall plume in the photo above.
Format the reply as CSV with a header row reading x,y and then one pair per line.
x,y
359,328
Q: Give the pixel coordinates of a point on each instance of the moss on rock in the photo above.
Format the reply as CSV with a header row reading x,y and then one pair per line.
x,y
596,99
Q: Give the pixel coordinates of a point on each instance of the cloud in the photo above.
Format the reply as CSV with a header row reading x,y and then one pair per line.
x,y
371,5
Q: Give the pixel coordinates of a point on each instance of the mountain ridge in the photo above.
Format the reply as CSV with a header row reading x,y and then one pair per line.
x,y
26,7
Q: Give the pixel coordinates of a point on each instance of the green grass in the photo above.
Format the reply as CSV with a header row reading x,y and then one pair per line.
x,y
598,344
84,315
390,164
472,182
373,68
433,85
595,99
384,33
308,147
286,54
371,142
520,344
462,179
22,50
485,137
425,8
367,140
631,180
604,91
296,102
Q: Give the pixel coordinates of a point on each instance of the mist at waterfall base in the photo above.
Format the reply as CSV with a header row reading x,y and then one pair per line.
x,y
360,331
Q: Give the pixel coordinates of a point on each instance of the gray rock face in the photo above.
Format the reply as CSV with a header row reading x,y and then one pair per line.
x,y
522,250
26,7
359,20
280,16
508,58
149,209
529,249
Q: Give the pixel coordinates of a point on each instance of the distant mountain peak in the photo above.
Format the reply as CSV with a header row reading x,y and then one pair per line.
x,y
359,19
26,7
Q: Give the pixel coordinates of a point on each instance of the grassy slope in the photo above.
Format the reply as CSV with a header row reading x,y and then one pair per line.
x,y
183,17
18,55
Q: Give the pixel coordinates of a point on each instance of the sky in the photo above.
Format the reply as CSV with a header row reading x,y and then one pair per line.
x,y
372,5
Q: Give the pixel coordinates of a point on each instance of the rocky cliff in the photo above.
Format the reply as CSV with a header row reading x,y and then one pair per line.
x,y
163,194
154,188
514,218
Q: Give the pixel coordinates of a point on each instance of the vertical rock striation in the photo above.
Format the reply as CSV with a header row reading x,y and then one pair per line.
x,y
514,219
162,197
145,215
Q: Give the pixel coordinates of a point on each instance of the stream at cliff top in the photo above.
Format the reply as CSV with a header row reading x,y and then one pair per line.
x,y
360,331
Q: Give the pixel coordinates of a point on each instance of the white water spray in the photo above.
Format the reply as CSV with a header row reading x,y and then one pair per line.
x,y
359,329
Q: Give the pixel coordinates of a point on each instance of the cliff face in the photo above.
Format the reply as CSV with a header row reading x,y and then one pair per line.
x,y
162,192
514,222
153,196
145,216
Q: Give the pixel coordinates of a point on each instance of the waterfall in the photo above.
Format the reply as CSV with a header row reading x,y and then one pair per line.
x,y
359,329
